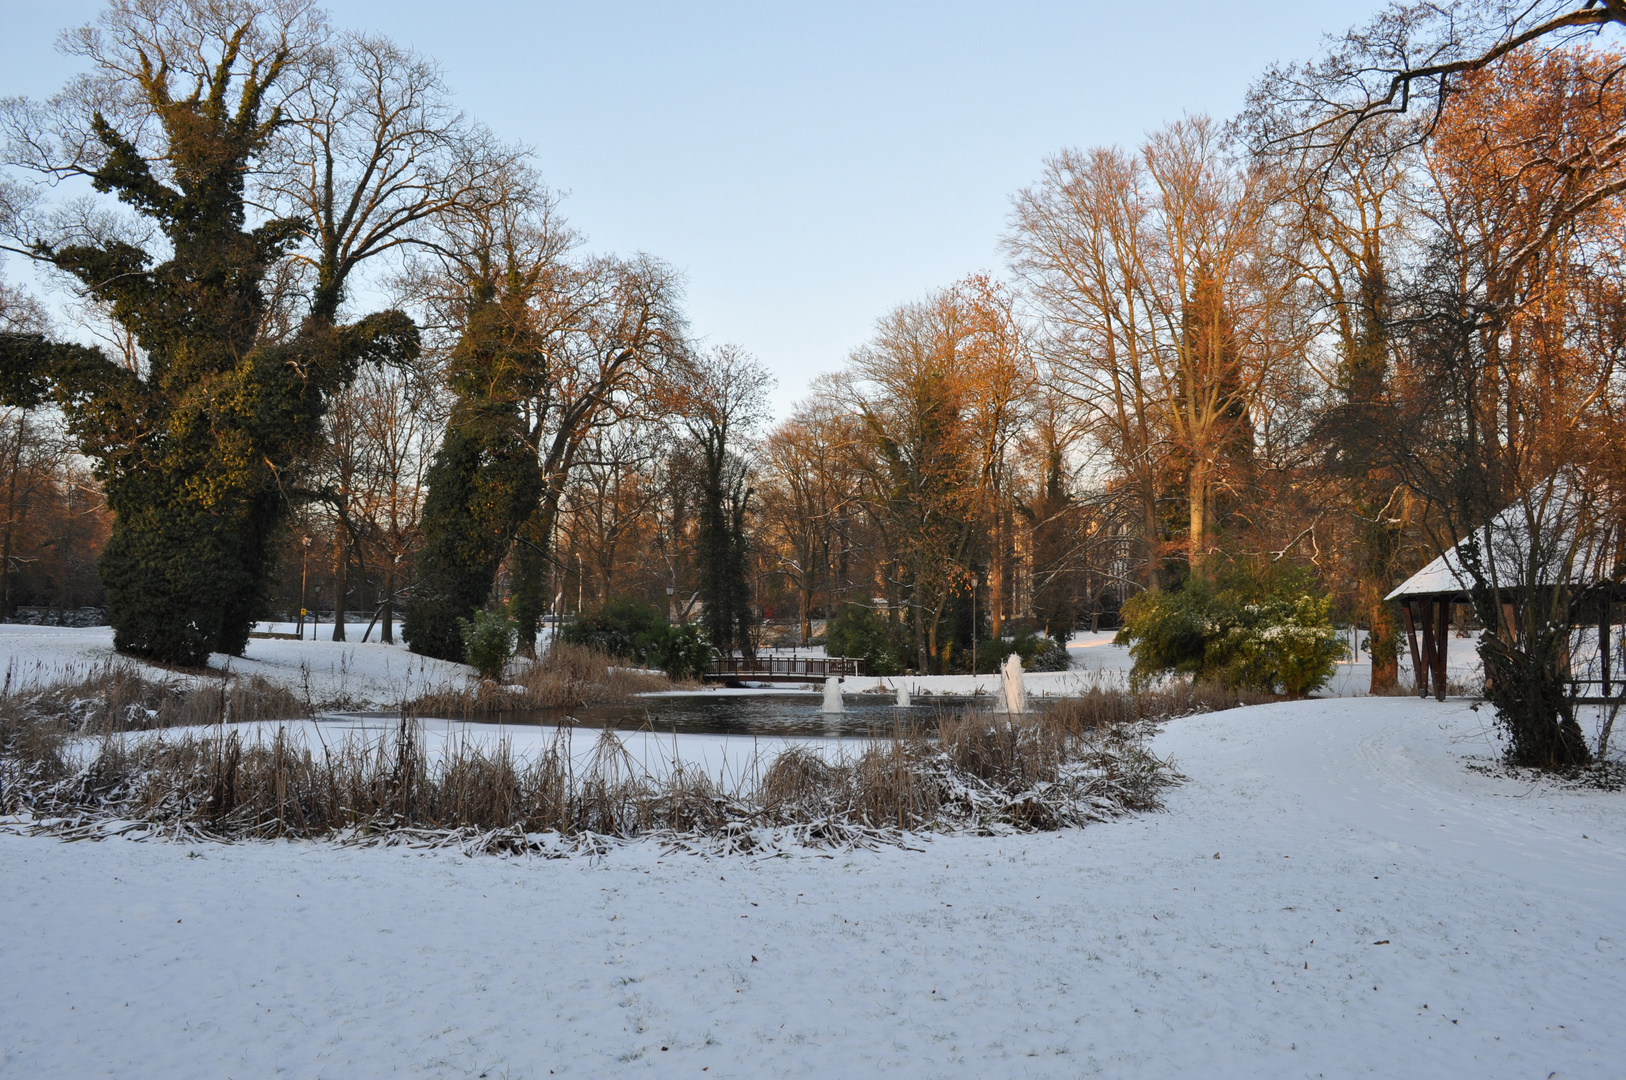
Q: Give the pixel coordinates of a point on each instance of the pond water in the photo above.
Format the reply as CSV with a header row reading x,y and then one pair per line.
x,y
770,714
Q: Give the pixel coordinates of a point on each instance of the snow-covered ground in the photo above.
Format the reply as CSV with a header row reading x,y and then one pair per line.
x,y
371,675
336,674
1333,893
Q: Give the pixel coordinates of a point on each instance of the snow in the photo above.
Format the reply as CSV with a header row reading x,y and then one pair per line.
x,y
731,760
370,675
336,674
1376,908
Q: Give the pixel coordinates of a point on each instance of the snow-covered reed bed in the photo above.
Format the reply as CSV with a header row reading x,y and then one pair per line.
x,y
1069,764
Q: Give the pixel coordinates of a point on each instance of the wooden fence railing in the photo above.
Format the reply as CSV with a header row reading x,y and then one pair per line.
x,y
783,668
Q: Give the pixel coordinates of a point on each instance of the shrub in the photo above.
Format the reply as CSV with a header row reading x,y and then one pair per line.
x,y
488,641
1280,644
636,631
859,631
681,651
1038,653
624,627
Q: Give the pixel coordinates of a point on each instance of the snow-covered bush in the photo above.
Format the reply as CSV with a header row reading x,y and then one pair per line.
x,y
1038,653
858,630
681,651
1285,645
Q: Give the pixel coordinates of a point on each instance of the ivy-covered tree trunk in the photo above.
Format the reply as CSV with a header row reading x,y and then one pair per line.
x,y
483,484
529,563
191,449
1524,649
720,554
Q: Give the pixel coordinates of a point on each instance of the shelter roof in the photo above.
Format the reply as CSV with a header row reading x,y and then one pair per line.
x,y
1508,554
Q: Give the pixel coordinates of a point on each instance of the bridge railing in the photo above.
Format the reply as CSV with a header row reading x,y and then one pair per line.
x,y
785,667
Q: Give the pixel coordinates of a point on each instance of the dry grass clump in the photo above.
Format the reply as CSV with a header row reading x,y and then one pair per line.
x,y
1104,708
969,771
972,770
115,696
1069,763
1406,686
563,677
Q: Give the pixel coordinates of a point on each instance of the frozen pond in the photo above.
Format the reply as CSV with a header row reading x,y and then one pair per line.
x,y
766,714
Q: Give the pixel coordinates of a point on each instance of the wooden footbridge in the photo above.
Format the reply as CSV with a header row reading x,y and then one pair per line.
x,y
789,669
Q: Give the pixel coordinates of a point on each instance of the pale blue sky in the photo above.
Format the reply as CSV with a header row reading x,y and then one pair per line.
x,y
807,167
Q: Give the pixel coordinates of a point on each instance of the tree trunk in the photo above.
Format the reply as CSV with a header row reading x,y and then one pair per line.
x,y
996,578
1154,552
388,614
1198,498
1383,638
341,579
11,518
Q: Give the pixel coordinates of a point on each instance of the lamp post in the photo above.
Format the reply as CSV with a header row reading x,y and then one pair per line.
x,y
671,610
304,561
973,624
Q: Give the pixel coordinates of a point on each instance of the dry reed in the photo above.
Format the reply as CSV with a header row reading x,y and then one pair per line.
x,y
92,768
563,677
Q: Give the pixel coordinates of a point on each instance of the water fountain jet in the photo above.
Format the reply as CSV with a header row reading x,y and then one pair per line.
x,y
832,695
1013,697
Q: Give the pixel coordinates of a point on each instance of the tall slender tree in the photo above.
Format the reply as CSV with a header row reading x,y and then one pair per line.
x,y
728,400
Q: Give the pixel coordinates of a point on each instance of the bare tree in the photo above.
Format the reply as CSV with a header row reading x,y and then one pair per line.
x,y
810,490
1169,303
370,153
1406,64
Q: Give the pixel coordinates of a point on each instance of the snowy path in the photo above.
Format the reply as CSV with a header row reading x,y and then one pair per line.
x,y
1121,950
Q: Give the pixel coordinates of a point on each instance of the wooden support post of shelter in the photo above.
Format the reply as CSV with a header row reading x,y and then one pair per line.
x,y
1426,599
1605,644
1442,635
1428,663
1411,639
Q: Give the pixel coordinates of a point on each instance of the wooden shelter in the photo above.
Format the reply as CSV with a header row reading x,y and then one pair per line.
x,y
1427,597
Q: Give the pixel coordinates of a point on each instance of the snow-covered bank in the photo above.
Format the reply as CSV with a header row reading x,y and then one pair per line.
x,y
333,674
1376,908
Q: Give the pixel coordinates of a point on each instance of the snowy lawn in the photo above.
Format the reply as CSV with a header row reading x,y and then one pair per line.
x,y
1375,909
336,674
